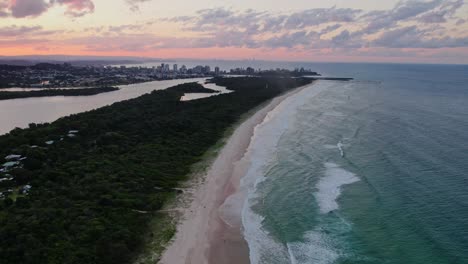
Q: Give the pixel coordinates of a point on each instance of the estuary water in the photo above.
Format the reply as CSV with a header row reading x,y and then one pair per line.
x,y
21,112
369,171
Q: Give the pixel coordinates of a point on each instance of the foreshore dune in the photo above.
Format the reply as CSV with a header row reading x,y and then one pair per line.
x,y
211,228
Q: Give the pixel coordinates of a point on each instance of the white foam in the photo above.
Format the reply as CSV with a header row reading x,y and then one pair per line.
x,y
340,147
263,248
262,153
316,248
329,186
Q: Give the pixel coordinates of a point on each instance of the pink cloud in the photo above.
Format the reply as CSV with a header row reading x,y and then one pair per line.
x,y
414,29
4,4
77,8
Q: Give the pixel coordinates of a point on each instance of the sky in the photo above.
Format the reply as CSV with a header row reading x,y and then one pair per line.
x,y
407,31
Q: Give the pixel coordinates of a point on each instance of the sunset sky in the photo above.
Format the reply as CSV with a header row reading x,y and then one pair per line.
x,y
293,30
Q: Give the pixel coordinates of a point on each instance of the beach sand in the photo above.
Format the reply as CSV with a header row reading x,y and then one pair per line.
x,y
210,231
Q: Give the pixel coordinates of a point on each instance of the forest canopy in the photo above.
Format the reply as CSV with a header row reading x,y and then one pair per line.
x,y
73,189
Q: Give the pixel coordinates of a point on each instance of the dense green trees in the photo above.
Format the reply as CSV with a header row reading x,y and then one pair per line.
x,y
87,190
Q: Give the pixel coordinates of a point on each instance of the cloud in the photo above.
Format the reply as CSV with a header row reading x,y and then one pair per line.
x,y
412,37
290,40
121,28
402,11
121,42
341,39
21,31
403,37
34,8
77,8
411,24
21,42
460,22
442,13
134,4
28,8
207,20
222,27
435,11
252,21
332,28
4,4
318,16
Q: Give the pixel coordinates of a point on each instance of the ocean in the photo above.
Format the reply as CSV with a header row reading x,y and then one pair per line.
x,y
373,170
369,171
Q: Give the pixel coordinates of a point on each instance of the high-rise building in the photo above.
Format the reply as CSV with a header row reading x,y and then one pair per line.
x,y
174,68
217,70
198,69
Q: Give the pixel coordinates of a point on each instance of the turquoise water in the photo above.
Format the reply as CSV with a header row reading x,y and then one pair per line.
x,y
370,171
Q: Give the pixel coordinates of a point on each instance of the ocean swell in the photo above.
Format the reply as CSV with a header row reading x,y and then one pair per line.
x,y
263,153
329,187
320,246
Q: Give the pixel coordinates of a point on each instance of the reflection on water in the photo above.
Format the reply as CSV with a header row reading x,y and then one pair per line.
x,y
21,112
212,86
17,89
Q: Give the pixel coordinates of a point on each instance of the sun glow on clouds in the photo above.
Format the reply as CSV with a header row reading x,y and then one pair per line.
x,y
411,30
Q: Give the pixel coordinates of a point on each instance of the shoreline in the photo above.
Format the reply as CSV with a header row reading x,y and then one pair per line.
x,y
211,228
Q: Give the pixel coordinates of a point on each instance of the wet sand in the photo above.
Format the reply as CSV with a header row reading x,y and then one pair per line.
x,y
210,231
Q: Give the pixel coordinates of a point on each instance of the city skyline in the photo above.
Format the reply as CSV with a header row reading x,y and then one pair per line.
x,y
298,30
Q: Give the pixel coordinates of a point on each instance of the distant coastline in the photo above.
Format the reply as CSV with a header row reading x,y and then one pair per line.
x,y
66,75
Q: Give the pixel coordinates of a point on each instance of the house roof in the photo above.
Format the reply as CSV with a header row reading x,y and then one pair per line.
x,y
12,157
10,164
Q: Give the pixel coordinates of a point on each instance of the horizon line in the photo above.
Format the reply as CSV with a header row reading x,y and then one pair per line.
x,y
116,57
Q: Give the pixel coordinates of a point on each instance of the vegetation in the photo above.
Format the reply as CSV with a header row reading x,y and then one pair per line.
x,y
56,92
94,194
193,88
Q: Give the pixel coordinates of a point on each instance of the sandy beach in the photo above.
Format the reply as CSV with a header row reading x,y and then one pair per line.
x,y
211,229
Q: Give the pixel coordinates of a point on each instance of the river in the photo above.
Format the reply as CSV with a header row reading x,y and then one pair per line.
x,y
21,112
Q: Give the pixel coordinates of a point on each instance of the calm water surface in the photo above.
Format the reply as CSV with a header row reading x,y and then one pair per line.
x,y
21,112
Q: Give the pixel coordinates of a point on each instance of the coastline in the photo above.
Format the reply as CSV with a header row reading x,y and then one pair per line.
x,y
211,228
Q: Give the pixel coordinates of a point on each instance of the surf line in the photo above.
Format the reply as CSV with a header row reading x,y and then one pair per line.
x,y
340,147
